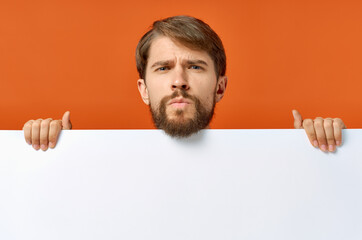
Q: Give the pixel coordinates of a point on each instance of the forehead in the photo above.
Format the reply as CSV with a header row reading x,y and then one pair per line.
x,y
163,48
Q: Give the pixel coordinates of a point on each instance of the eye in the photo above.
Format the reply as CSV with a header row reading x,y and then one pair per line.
x,y
195,67
161,69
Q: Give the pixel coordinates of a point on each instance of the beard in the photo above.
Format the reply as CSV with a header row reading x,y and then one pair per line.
x,y
182,127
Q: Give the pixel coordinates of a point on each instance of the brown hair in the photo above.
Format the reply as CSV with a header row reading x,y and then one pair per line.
x,y
189,31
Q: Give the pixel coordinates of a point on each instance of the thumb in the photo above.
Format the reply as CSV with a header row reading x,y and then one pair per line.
x,y
66,121
298,120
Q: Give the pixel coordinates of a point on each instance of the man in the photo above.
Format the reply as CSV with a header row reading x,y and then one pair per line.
x,y
181,63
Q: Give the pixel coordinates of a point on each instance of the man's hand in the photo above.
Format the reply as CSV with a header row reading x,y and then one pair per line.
x,y
325,133
43,133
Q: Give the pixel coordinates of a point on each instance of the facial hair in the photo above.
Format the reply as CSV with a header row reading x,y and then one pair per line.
x,y
181,127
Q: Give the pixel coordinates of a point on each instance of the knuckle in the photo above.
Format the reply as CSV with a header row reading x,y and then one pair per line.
x,y
53,136
308,123
321,138
337,124
28,124
44,124
337,136
36,124
338,121
322,141
328,124
311,136
43,141
318,124
54,124
330,139
35,138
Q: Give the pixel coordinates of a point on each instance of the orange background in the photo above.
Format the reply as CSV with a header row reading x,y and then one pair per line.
x,y
79,56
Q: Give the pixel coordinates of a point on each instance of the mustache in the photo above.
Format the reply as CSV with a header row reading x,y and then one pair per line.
x,y
181,92
177,93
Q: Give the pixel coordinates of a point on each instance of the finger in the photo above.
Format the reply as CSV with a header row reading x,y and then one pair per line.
x,y
329,131
44,132
321,136
54,130
298,120
66,121
338,125
27,131
35,134
308,126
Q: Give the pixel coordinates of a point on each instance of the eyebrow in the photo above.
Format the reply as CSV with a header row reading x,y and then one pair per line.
x,y
168,62
192,62
161,63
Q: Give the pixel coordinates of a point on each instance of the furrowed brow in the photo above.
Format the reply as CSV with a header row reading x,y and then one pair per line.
x,y
161,63
195,62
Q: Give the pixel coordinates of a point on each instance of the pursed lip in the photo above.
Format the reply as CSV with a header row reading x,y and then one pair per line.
x,y
179,101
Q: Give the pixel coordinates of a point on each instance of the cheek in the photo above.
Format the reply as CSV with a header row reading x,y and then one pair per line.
x,y
207,97
204,86
156,91
154,103
155,96
210,101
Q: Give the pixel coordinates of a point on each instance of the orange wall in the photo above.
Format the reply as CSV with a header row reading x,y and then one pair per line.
x,y
79,56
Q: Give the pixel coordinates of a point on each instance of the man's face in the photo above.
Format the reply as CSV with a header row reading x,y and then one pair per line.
x,y
181,87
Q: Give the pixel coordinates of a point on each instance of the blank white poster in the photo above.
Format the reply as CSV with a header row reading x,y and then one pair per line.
x,y
218,184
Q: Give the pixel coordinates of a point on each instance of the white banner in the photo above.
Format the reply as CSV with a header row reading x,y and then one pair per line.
x,y
142,184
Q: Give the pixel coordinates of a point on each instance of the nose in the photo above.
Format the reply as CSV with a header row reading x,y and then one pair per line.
x,y
180,80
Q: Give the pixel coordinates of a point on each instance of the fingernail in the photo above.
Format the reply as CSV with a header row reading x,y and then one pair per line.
x,y
338,143
36,146
51,145
324,148
331,148
28,142
315,143
43,147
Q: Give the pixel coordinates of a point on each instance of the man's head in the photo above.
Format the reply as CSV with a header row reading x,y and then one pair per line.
x,y
181,62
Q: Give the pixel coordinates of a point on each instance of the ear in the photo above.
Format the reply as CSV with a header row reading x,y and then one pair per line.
x,y
220,87
142,88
